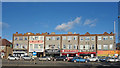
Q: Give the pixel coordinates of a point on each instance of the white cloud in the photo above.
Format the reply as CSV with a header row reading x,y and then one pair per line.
x,y
90,23
69,25
4,25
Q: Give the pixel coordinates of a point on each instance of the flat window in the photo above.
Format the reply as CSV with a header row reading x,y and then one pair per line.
x,y
92,47
81,46
69,46
35,46
20,38
69,37
63,37
92,38
111,37
75,46
86,47
87,38
105,47
48,38
16,38
99,47
41,38
75,37
99,37
64,46
81,38
53,38
25,38
111,46
36,37
58,38
105,38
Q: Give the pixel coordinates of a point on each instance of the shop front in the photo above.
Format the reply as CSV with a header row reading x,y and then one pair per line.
x,y
87,54
69,53
108,53
52,52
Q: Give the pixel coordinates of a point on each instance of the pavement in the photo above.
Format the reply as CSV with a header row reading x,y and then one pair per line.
x,y
23,63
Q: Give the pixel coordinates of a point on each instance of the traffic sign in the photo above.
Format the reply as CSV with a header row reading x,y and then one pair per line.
x,y
34,53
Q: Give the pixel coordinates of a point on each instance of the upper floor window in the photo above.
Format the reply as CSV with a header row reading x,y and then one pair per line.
x,y
64,46
99,37
111,37
86,47
93,38
99,47
111,46
69,46
25,38
81,46
58,46
87,38
81,38
75,46
105,47
92,47
20,38
58,38
48,38
53,38
69,37
75,37
16,38
41,45
31,38
63,37
36,37
105,38
41,38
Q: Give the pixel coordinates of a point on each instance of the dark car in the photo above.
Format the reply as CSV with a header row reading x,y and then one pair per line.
x,y
103,59
59,58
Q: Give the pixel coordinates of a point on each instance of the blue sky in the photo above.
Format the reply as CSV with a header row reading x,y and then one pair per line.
x,y
59,17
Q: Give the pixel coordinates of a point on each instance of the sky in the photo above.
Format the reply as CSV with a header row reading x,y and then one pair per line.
x,y
58,17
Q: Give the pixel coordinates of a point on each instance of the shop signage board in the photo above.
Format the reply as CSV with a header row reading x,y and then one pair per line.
x,y
36,41
69,51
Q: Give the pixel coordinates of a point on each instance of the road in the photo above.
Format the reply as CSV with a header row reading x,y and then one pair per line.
x,y
57,63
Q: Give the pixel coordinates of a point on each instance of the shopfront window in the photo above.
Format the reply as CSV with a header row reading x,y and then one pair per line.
x,y
35,46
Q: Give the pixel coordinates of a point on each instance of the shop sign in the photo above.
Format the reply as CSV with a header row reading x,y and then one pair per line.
x,y
52,50
69,51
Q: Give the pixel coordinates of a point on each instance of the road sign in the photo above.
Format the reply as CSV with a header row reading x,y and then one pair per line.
x,y
34,53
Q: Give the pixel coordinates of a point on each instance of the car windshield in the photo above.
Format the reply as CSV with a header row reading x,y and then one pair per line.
x,y
44,57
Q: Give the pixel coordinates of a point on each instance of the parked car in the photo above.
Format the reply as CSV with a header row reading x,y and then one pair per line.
x,y
17,58
69,58
26,57
63,58
11,58
93,59
103,59
113,60
44,58
79,59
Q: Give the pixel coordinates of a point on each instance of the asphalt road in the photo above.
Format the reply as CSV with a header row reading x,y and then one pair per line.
x,y
19,63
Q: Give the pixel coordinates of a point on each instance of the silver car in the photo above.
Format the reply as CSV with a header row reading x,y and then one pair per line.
x,y
44,58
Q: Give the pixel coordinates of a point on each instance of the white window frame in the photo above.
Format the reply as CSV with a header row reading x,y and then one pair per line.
x,y
111,46
106,37
36,45
111,37
63,37
81,47
64,46
75,46
99,47
31,45
105,47
86,47
93,37
75,37
87,38
99,37
81,38
69,37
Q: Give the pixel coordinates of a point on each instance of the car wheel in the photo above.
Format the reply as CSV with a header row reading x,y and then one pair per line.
x,y
54,59
75,61
63,59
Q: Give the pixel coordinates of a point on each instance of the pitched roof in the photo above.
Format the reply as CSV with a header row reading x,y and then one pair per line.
x,y
4,42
